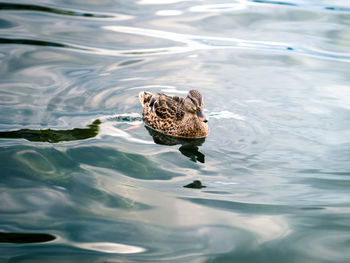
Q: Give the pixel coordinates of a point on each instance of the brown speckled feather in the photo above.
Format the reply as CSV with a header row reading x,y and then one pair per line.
x,y
169,107
167,114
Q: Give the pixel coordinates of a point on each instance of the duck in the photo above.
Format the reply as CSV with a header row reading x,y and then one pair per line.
x,y
174,115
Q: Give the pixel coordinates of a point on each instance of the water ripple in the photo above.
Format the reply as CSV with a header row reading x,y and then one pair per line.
x,y
197,42
227,7
275,165
274,2
192,43
58,11
108,247
33,42
314,5
23,238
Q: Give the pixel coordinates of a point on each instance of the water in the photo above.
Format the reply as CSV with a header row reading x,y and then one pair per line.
x,y
81,183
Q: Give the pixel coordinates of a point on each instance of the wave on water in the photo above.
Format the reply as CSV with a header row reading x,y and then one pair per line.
x,y
190,43
225,115
318,5
60,11
108,247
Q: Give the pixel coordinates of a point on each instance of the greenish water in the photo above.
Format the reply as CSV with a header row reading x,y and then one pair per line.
x,y
79,182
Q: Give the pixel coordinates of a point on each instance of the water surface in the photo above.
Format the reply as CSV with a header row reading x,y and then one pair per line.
x,y
80,182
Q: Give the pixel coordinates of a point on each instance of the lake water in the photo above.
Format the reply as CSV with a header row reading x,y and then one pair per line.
x,y
80,182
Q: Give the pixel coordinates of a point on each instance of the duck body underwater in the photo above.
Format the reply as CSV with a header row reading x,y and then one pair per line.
x,y
175,116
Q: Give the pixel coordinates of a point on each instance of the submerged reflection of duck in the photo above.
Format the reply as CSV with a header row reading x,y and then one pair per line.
x,y
189,146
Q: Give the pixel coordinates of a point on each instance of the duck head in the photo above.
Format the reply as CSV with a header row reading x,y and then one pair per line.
x,y
194,105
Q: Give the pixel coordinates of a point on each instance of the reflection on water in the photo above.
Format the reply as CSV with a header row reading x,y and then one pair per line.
x,y
192,151
39,8
196,184
34,43
269,184
22,238
189,147
106,247
54,136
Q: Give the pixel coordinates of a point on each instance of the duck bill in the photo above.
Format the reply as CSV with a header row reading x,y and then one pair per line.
x,y
201,116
